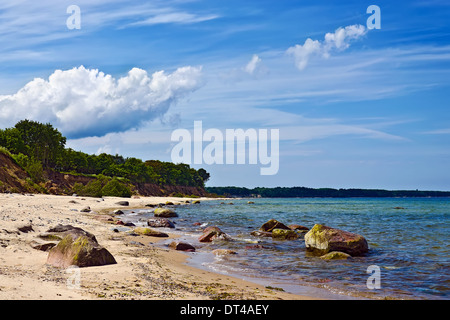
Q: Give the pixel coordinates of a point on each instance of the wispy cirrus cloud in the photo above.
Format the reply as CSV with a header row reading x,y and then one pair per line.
x,y
27,23
176,17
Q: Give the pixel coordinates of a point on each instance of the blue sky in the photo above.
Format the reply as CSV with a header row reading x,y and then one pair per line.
x,y
356,108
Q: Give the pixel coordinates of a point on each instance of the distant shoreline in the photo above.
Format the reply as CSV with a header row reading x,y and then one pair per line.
x,y
304,192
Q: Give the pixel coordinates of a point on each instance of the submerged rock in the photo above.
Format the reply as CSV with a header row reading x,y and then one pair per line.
x,y
336,255
258,233
322,239
223,252
213,233
78,248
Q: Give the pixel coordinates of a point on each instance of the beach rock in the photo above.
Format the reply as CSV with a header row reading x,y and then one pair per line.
x,y
250,202
126,224
223,252
118,212
123,203
213,233
165,213
150,232
169,203
43,246
336,255
158,222
283,234
79,248
322,239
273,224
297,227
196,201
181,246
25,228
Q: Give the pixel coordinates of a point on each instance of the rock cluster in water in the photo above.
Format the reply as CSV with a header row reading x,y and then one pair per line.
x,y
324,241
328,242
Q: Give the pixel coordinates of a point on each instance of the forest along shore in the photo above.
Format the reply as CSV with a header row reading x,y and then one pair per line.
x,y
141,269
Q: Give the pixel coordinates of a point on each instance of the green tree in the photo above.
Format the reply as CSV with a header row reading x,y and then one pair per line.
x,y
41,141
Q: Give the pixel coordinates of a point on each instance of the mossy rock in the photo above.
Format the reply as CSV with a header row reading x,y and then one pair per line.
x,y
150,232
50,237
79,248
323,239
165,213
282,234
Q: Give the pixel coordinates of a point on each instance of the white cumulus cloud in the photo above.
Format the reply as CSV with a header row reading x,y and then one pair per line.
x,y
339,40
85,102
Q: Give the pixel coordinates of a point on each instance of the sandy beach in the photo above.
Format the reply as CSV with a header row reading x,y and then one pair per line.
x,y
143,270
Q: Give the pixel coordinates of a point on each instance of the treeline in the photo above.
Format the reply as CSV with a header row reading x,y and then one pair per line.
x,y
303,192
39,147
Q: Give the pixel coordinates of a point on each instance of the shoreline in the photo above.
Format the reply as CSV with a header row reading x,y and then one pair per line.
x,y
144,270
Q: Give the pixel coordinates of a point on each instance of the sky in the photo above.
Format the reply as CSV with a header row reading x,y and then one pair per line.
x,y
355,106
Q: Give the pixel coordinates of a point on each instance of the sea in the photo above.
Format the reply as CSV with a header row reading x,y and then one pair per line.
x,y
408,240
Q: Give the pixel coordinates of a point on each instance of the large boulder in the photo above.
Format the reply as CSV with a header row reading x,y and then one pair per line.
x,y
322,239
78,248
213,233
165,213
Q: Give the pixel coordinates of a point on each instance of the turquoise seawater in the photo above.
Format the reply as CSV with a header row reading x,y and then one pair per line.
x,y
408,240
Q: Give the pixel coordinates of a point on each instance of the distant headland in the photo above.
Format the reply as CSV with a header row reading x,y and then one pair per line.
x,y
304,192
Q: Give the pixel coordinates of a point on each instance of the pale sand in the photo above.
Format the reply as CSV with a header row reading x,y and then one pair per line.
x,y
141,272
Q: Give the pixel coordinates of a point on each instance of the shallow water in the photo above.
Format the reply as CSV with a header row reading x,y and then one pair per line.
x,y
409,245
